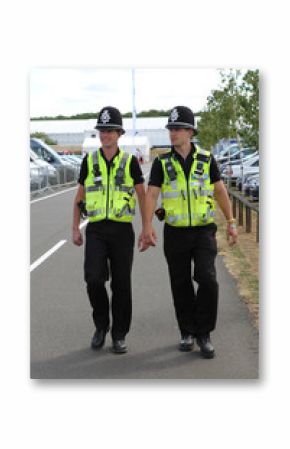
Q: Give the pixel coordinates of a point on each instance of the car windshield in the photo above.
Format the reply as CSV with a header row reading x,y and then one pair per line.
x,y
249,156
228,150
248,151
234,150
43,150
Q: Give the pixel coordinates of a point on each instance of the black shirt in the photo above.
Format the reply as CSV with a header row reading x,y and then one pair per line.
x,y
135,170
157,177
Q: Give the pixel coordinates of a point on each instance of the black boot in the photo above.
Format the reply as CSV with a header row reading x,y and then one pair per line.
x,y
206,347
119,346
186,343
98,339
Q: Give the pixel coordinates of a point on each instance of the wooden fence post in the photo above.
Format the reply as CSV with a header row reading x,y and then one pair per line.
x,y
241,214
234,206
248,219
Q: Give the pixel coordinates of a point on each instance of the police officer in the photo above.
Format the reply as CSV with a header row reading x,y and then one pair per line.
x,y
108,180
189,179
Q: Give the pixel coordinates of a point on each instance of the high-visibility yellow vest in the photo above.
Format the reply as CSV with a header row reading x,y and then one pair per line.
x,y
109,197
187,202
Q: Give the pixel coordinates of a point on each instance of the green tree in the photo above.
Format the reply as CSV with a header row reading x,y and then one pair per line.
x,y
249,103
232,110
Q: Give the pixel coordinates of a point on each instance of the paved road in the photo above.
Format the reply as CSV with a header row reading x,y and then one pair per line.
x,y
61,324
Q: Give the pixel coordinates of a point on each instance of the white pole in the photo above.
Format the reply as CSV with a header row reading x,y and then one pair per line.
x,y
133,103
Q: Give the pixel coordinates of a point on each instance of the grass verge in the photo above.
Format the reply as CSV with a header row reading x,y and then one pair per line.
x,y
240,264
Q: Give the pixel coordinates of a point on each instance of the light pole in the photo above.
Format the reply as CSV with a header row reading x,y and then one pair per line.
x,y
133,104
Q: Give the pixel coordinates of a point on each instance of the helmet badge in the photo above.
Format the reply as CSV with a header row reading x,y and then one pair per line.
x,y
174,115
105,117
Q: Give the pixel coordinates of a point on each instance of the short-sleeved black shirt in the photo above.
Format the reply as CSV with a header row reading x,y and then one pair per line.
x,y
157,177
135,170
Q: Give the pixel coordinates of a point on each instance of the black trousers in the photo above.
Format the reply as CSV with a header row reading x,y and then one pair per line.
x,y
196,312
109,254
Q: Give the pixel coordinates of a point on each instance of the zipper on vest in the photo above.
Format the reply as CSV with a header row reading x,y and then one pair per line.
x,y
188,200
108,190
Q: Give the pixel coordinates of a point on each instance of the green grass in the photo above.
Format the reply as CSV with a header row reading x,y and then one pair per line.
x,y
245,276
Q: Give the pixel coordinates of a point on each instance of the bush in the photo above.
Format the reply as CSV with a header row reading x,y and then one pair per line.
x,y
44,137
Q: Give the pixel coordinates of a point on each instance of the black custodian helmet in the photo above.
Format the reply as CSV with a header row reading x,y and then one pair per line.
x,y
110,118
181,117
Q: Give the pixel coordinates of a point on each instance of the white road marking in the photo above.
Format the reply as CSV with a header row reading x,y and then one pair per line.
x,y
47,254
54,194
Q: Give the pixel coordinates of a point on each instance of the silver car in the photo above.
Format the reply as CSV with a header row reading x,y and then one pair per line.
x,y
50,173
37,175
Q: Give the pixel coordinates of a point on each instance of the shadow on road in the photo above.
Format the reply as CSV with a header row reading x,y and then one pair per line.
x,y
89,364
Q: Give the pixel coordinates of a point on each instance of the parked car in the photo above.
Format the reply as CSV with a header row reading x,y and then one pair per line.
x,y
234,171
254,189
50,173
239,180
36,175
228,151
244,160
70,159
223,144
66,172
249,179
76,159
235,154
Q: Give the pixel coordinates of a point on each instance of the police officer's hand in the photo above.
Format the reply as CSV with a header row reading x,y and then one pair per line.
x,y
77,237
142,246
150,237
232,234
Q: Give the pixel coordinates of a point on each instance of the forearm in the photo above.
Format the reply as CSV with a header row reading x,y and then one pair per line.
x,y
141,201
224,202
150,206
76,217
76,210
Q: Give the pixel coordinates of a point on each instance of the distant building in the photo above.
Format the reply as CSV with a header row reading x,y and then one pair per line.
x,y
73,132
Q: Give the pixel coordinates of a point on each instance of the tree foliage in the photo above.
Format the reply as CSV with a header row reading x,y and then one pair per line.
x,y
232,111
94,115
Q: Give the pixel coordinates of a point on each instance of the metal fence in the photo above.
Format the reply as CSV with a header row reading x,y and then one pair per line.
x,y
240,203
42,180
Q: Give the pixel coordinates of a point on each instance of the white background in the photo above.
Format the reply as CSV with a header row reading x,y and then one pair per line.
x,y
143,414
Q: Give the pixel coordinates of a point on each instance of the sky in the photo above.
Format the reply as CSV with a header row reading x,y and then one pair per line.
x,y
70,91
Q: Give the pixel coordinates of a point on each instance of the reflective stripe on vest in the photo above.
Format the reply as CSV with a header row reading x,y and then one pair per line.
x,y
94,213
203,219
173,194
109,197
188,202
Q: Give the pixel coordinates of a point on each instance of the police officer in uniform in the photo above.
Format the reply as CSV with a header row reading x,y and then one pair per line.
x,y
189,181
108,180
